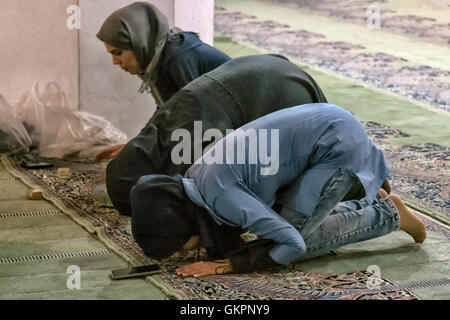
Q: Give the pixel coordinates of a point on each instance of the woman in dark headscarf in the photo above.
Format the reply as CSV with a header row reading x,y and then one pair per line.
x,y
228,97
320,157
139,40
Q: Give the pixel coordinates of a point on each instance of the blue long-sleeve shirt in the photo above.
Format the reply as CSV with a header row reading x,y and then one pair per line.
x,y
313,142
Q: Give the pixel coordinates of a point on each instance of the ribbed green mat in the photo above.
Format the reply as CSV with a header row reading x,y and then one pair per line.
x,y
38,243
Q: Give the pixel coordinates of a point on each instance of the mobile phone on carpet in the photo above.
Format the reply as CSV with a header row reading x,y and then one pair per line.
x,y
134,272
36,165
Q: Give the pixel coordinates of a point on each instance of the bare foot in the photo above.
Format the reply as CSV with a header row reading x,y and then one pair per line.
x,y
409,222
383,193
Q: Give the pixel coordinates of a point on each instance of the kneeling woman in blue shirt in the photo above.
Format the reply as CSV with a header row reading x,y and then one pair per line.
x,y
305,180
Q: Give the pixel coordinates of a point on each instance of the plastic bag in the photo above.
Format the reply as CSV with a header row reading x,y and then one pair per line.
x,y
42,114
83,135
14,137
59,132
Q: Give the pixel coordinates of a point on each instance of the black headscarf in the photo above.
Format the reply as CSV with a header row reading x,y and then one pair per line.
x,y
163,219
159,221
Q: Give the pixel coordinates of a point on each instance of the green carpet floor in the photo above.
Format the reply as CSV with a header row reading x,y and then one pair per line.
x,y
423,124
397,256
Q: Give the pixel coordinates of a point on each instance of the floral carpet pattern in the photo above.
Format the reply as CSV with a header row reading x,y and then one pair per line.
x,y
84,198
420,173
355,11
376,69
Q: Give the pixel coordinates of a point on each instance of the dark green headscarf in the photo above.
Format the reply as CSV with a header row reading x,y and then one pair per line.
x,y
142,28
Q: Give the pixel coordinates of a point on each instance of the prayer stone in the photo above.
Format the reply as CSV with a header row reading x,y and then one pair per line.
x,y
34,194
64,173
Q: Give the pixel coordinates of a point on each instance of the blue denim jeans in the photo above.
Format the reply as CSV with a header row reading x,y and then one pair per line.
x,y
335,223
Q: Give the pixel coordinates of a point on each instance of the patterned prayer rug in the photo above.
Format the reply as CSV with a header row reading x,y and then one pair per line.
x,y
420,173
292,284
421,26
378,69
83,197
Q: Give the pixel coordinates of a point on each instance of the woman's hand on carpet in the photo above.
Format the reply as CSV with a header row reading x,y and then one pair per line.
x,y
204,268
109,153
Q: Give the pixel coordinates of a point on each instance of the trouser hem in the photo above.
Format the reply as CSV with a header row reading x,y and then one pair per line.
x,y
394,211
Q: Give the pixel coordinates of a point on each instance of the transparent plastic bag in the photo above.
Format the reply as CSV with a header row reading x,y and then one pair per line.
x,y
14,137
83,134
42,114
59,132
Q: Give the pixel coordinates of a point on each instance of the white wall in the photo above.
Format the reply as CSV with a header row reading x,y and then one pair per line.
x,y
36,45
197,16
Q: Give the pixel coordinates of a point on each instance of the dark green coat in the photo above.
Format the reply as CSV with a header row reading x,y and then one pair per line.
x,y
228,97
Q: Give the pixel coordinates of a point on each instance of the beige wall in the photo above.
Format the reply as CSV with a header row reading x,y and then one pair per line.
x,y
37,46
